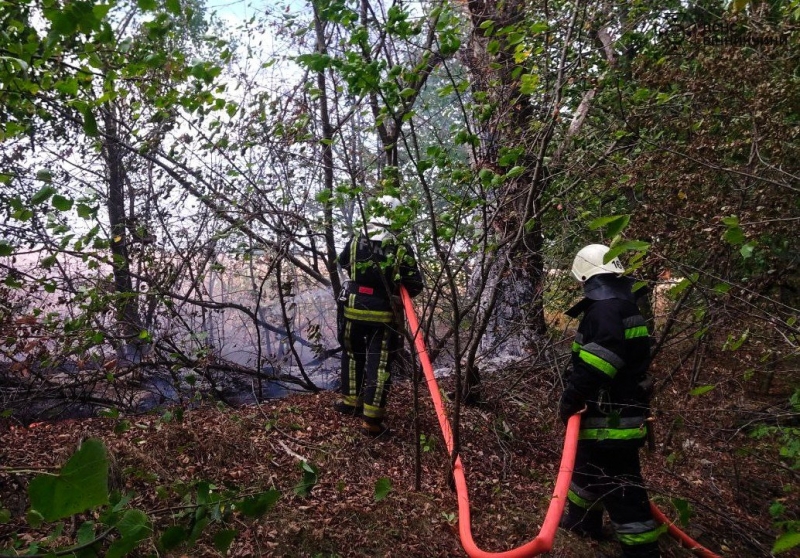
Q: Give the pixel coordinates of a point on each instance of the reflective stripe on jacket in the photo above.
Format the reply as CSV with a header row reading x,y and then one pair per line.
x,y
610,358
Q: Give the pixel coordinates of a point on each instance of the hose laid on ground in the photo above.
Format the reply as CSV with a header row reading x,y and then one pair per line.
x,y
685,540
543,542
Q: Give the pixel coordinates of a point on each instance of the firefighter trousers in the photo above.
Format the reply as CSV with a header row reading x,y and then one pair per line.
x,y
368,352
610,479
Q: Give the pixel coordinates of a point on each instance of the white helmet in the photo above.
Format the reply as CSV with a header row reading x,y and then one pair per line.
x,y
589,262
381,209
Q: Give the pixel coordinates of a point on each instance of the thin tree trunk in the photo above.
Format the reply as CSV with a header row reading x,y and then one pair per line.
x,y
125,300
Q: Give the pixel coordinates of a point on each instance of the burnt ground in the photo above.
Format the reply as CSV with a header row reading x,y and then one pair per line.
x,y
704,460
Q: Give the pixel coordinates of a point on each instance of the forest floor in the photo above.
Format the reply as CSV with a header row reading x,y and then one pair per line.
x,y
366,498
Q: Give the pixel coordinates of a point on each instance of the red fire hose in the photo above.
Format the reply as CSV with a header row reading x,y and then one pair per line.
x,y
685,540
543,542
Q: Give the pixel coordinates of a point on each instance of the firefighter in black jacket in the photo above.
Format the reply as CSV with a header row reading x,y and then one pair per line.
x,y
609,382
377,265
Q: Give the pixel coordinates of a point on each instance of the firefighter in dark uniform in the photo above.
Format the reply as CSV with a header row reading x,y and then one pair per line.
x,y
377,264
609,382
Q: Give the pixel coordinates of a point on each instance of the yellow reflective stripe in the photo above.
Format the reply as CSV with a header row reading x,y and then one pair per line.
x,y
640,331
593,360
583,503
353,255
383,369
379,316
576,347
352,400
372,411
352,384
612,433
632,539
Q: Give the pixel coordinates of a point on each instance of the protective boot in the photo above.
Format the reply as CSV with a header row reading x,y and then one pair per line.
x,y
374,427
586,523
349,410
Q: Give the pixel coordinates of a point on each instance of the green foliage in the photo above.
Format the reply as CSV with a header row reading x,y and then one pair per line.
x,y
787,441
614,224
786,541
701,390
787,437
258,504
207,505
82,484
134,527
685,511
308,481
382,488
428,443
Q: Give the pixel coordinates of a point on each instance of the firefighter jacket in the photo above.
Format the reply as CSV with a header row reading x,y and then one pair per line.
x,y
377,268
610,359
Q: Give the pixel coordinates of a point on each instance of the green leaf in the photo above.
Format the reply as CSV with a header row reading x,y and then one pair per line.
x,y
734,236
684,510
43,194
21,64
86,533
734,345
382,488
147,5
722,288
539,27
315,62
122,426
747,250
197,530
5,515
48,261
89,123
682,285
777,509
785,542
84,211
309,480
174,7
615,224
701,390
44,175
173,537
528,84
81,484
61,203
515,171
223,539
6,249
258,505
134,527
34,519
630,245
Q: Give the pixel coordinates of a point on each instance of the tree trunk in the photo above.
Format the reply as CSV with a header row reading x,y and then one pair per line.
x,y
515,275
129,347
